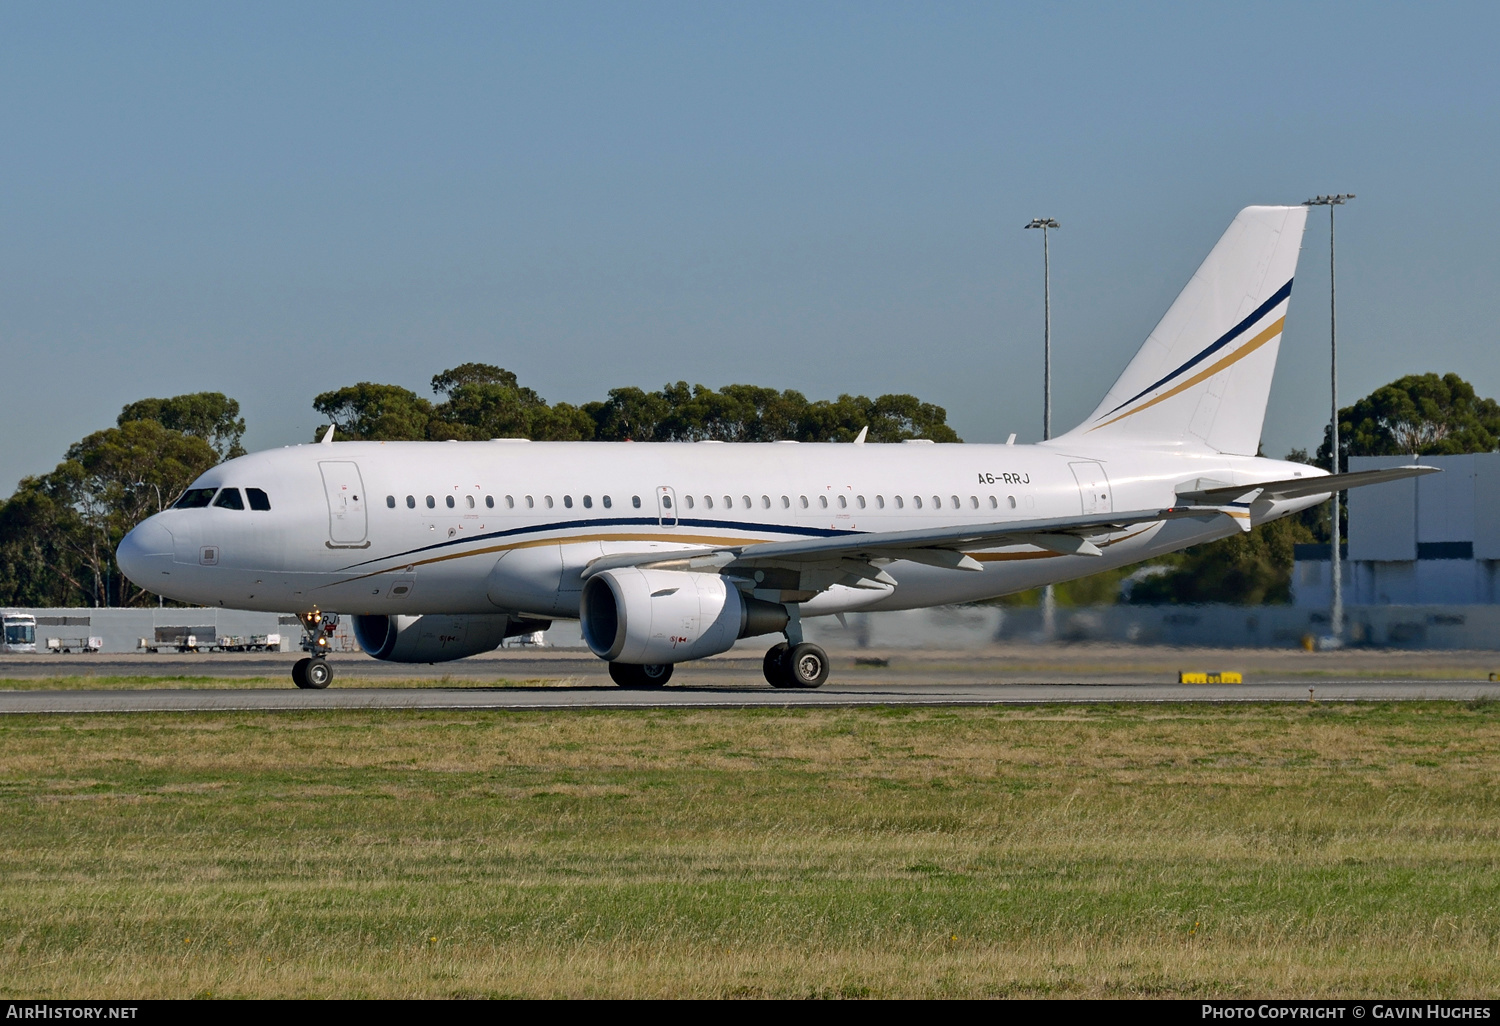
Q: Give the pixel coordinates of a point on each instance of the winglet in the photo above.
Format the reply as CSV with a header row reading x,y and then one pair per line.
x,y
328,436
859,439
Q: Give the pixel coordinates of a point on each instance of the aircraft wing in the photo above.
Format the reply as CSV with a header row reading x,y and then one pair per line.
x,y
1301,487
856,554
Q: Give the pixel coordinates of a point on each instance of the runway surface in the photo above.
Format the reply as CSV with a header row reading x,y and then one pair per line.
x,y
569,680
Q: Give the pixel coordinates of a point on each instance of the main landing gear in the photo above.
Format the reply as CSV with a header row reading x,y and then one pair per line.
x,y
795,666
315,672
629,675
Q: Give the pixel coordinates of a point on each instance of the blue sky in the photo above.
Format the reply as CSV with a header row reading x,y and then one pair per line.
x,y
274,200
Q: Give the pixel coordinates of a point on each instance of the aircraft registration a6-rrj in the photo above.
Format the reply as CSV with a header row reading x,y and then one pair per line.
x,y
673,552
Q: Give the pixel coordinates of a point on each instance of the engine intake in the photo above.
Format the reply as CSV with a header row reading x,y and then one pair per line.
x,y
437,637
648,617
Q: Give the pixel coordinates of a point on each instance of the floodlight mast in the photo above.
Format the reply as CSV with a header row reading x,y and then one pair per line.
x,y
1045,224
1049,599
1336,612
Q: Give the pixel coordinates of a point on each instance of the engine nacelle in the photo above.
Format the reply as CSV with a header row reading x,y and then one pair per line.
x,y
437,637
669,616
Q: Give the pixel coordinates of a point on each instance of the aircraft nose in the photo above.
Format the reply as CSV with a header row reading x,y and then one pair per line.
x,y
144,553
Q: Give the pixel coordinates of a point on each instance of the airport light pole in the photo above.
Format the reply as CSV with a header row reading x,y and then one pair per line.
x,y
1046,224
1336,612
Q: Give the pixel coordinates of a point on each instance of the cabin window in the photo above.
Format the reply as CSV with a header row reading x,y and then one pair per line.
x,y
568,501
993,503
489,502
588,502
746,500
937,502
786,502
229,498
900,504
635,500
974,501
859,500
548,500
802,499
469,501
607,502
689,500
510,502
1012,500
390,502
411,502
195,498
258,499
530,502
956,503
448,501
431,502
666,501
843,502
708,502
880,502
823,501
765,502
916,500
729,502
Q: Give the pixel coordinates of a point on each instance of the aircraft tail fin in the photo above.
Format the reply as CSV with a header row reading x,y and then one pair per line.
x,y
1203,376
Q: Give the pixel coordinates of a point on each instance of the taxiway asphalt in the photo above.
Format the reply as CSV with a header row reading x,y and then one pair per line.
x,y
570,680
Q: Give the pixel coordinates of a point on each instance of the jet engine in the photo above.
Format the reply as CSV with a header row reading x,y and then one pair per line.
x,y
437,637
649,617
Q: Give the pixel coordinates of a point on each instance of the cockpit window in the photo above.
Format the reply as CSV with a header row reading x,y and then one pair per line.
x,y
195,498
258,499
229,498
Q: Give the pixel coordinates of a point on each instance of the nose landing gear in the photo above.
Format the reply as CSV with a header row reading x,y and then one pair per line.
x,y
315,672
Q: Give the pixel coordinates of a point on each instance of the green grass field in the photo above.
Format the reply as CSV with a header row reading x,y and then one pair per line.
x,y
1100,851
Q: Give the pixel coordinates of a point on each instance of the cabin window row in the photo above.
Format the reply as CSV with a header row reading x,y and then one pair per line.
x,y
470,501
842,501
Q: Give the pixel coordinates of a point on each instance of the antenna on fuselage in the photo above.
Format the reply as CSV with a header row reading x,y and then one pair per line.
x,y
328,436
859,439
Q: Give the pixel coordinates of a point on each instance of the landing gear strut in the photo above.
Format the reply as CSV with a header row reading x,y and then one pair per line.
x,y
315,672
629,675
795,663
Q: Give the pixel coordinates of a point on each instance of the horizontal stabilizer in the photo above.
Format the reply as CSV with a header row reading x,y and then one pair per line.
x,y
1301,487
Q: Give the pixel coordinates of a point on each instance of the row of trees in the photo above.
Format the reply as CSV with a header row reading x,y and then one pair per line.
x,y
59,530
481,401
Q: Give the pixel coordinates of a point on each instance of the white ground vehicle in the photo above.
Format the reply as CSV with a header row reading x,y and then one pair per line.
x,y
253,643
20,633
74,644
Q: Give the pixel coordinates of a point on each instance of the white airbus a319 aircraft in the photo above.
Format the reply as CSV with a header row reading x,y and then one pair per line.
x,y
672,552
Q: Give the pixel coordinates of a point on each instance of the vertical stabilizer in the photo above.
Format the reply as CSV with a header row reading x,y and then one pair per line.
x,y
1204,374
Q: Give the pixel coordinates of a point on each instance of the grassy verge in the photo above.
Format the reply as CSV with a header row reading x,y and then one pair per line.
x,y
1128,850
